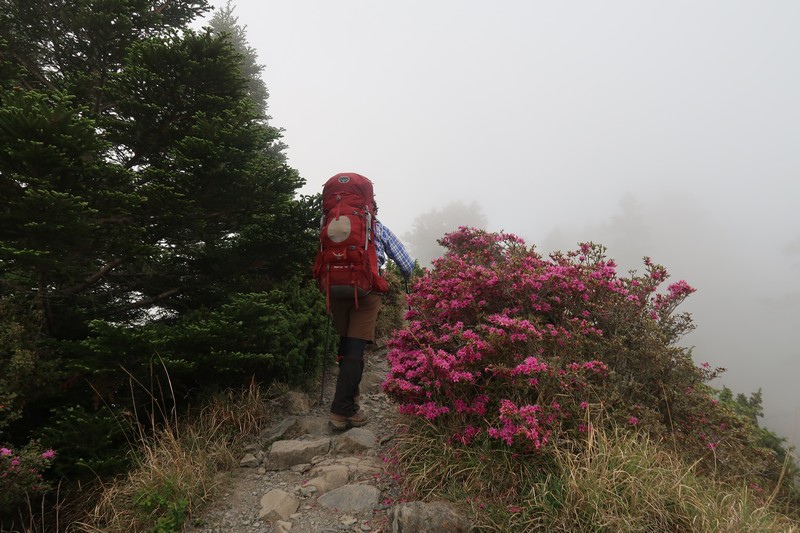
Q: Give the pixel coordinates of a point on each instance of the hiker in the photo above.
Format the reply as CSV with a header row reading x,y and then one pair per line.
x,y
353,285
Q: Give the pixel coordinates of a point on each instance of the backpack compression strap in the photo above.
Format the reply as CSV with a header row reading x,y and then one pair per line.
x,y
328,289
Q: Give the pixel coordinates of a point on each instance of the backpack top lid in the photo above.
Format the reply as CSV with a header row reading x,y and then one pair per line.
x,y
348,186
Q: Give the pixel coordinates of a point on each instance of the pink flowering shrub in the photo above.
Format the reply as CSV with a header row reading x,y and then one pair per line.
x,y
506,346
21,475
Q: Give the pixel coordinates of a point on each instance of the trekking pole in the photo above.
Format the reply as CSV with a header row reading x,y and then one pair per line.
x,y
325,358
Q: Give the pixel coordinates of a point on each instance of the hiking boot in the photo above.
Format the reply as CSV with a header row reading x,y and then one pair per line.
x,y
357,420
338,421
344,422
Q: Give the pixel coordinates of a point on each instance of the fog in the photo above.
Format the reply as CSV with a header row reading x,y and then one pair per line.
x,y
665,129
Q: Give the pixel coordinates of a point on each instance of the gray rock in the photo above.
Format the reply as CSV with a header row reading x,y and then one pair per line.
x,y
249,461
287,428
285,453
362,465
282,526
348,520
420,517
327,478
351,498
277,505
355,440
314,425
308,491
292,427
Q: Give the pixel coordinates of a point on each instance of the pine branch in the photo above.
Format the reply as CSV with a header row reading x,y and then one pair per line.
x,y
94,278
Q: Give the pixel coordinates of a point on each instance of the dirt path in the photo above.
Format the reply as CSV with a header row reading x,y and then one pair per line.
x,y
346,488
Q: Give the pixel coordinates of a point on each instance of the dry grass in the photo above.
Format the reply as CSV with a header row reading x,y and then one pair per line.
x,y
179,467
618,482
624,482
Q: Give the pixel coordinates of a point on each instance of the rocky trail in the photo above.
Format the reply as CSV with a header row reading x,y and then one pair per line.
x,y
302,476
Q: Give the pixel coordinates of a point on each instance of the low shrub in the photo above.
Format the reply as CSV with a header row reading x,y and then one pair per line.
x,y
503,345
393,307
21,475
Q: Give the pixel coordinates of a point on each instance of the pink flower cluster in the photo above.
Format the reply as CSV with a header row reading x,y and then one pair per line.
x,y
21,474
528,426
7,452
502,343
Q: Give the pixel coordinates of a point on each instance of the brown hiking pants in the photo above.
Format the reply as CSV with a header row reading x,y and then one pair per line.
x,y
356,327
358,323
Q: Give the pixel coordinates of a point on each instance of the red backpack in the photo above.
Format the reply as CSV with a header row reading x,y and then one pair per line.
x,y
346,265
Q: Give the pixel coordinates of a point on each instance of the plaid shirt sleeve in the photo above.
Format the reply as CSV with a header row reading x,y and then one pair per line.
x,y
387,244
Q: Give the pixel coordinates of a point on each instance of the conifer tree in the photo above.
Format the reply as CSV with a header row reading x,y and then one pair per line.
x,y
139,190
225,24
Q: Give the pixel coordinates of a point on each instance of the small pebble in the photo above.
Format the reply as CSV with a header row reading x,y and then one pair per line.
x,y
348,520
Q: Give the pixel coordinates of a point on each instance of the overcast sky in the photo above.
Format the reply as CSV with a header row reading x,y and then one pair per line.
x,y
668,129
